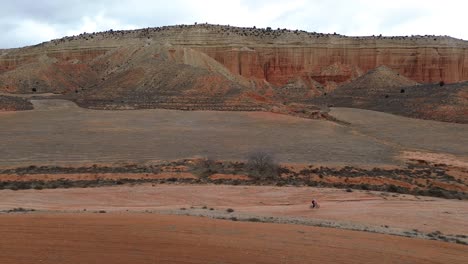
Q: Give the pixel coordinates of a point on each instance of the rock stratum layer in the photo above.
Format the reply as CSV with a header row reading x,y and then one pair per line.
x,y
211,67
274,56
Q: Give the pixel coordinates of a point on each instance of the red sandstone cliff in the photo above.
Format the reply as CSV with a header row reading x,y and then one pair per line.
x,y
266,57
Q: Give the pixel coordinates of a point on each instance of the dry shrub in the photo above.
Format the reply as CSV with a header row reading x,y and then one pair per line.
x,y
261,165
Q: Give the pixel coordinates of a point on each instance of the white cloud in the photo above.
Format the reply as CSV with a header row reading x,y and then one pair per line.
x,y
239,14
447,18
28,32
23,22
29,28
98,23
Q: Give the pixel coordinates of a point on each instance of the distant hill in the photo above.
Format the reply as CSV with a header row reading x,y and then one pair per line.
x,y
386,91
229,68
163,77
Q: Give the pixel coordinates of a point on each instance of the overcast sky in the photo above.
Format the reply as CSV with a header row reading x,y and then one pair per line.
x,y
25,22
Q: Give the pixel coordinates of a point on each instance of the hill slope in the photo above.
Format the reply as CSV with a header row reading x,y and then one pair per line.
x,y
230,68
163,77
386,91
378,79
274,56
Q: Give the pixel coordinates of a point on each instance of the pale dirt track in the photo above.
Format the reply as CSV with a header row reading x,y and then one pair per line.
x,y
369,209
139,238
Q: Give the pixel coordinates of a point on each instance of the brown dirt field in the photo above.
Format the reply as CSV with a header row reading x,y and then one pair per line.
x,y
408,133
139,238
371,209
58,132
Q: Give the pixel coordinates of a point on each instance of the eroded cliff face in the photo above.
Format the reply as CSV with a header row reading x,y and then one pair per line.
x,y
278,56
278,65
265,57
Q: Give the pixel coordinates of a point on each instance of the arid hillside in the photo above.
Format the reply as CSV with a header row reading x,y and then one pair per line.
x,y
387,91
148,74
226,68
276,56
154,76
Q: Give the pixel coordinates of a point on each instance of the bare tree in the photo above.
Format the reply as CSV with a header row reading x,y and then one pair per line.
x,y
261,165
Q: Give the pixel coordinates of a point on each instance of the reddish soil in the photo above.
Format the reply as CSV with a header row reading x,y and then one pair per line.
x,y
437,158
140,238
372,209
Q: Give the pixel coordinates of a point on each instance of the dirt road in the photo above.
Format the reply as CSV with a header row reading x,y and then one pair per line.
x,y
359,208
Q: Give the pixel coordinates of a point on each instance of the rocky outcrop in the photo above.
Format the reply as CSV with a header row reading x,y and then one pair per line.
x,y
265,57
278,65
280,55
222,67
153,76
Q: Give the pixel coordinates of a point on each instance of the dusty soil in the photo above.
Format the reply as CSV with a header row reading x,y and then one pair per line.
x,y
60,133
408,133
140,238
436,158
356,209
